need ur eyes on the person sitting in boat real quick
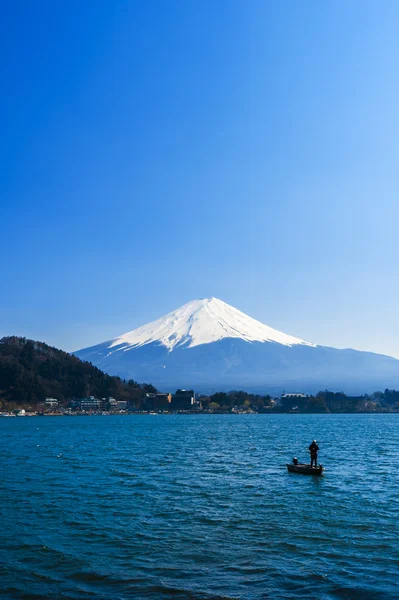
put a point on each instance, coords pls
(313, 449)
(295, 460)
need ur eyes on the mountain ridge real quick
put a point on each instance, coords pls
(208, 344)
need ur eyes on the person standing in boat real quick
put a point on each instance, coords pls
(313, 449)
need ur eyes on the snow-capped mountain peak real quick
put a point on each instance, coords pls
(199, 322)
(208, 345)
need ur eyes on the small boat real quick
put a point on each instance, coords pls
(305, 469)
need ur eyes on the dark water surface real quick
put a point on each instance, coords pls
(198, 507)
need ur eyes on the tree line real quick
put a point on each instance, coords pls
(322, 402)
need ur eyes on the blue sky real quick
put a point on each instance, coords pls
(155, 152)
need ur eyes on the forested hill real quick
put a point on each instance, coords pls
(31, 371)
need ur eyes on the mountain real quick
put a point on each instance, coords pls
(210, 345)
(202, 322)
(30, 371)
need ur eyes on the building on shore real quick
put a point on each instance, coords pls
(158, 401)
(116, 405)
(291, 401)
(183, 400)
(91, 404)
(51, 402)
(342, 403)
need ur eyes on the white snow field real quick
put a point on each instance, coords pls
(202, 322)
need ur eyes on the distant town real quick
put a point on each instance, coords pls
(235, 402)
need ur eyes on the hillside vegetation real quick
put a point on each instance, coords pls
(31, 371)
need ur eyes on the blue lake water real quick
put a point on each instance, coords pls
(198, 507)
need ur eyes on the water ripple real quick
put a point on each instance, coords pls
(199, 507)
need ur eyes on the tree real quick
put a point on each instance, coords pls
(150, 389)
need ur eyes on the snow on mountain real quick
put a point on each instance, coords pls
(208, 345)
(202, 322)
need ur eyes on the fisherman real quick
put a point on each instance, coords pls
(313, 449)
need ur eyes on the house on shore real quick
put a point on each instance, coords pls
(292, 401)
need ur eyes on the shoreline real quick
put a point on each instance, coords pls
(191, 414)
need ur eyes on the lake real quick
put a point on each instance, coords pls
(198, 507)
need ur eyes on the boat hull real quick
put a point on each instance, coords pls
(305, 469)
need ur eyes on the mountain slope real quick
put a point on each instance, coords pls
(202, 322)
(30, 371)
(208, 344)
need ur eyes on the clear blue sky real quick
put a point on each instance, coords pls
(155, 152)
